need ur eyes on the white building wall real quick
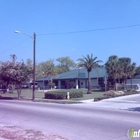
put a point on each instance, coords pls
(94, 82)
(40, 84)
(134, 81)
(82, 84)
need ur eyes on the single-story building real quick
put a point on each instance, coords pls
(135, 80)
(78, 76)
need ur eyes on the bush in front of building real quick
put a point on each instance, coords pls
(51, 84)
(55, 95)
(76, 94)
(62, 94)
(72, 84)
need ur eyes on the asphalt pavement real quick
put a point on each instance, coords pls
(104, 120)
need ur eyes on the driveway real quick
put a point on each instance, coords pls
(130, 103)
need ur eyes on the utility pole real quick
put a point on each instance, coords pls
(34, 58)
(34, 64)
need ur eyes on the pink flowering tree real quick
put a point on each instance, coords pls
(16, 73)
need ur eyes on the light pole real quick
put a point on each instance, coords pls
(34, 59)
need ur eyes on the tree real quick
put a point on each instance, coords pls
(137, 71)
(113, 68)
(89, 63)
(51, 72)
(128, 68)
(120, 68)
(51, 85)
(65, 64)
(13, 57)
(15, 72)
(72, 84)
(43, 66)
(29, 62)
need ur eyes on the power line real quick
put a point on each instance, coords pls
(73, 32)
(13, 46)
(92, 30)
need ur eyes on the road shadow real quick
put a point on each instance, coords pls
(7, 98)
(134, 109)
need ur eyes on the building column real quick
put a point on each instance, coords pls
(59, 84)
(77, 87)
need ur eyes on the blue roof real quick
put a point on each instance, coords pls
(79, 74)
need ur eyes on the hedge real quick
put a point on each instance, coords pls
(51, 95)
(62, 94)
(76, 94)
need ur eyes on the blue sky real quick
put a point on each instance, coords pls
(58, 16)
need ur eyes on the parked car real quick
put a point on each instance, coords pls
(36, 85)
(24, 86)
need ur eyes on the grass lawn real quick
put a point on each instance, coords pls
(27, 93)
(90, 96)
(39, 95)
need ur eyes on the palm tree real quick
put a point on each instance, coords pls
(113, 68)
(137, 71)
(127, 68)
(120, 68)
(13, 57)
(89, 63)
(132, 71)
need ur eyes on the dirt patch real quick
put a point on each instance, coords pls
(18, 133)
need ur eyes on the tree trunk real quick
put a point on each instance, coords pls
(19, 90)
(115, 84)
(12, 88)
(119, 81)
(89, 83)
(51, 79)
(131, 83)
(51, 82)
(124, 84)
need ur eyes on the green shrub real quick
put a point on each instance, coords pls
(62, 94)
(76, 94)
(72, 84)
(53, 95)
(51, 85)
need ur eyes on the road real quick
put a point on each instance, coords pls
(48, 121)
